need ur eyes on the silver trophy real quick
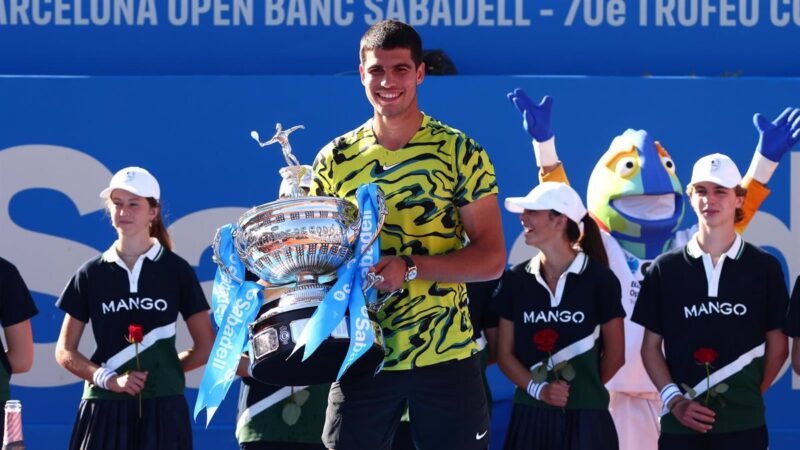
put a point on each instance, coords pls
(296, 243)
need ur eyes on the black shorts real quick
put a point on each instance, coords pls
(533, 427)
(446, 401)
(755, 439)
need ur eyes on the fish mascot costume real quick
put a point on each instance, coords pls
(637, 200)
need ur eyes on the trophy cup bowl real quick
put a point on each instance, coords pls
(298, 243)
(285, 239)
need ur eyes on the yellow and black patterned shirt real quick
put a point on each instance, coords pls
(424, 183)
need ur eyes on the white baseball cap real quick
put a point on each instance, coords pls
(135, 180)
(550, 195)
(718, 169)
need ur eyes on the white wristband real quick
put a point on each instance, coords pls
(761, 168)
(545, 152)
(101, 377)
(535, 389)
(667, 393)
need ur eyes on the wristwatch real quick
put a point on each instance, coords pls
(411, 268)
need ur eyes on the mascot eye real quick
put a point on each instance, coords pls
(668, 164)
(625, 167)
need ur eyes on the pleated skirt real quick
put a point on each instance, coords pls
(115, 425)
(533, 428)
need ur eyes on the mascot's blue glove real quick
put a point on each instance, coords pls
(535, 118)
(777, 137)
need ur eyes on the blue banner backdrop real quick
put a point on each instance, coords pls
(62, 138)
(268, 37)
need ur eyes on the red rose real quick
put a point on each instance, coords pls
(545, 340)
(705, 355)
(135, 334)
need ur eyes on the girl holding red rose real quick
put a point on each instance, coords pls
(132, 295)
(561, 332)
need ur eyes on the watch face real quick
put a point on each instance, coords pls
(411, 268)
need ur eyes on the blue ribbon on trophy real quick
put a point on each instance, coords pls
(347, 293)
(235, 303)
(293, 243)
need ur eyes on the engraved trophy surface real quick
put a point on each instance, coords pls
(297, 243)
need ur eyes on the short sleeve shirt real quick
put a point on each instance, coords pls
(104, 293)
(728, 312)
(588, 296)
(424, 183)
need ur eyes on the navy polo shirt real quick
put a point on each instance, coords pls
(105, 293)
(727, 308)
(587, 296)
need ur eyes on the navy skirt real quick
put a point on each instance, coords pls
(115, 425)
(533, 428)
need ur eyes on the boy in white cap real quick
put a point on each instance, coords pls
(717, 306)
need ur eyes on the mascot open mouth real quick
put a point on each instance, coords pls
(647, 207)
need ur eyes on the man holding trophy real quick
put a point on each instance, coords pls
(442, 229)
(398, 205)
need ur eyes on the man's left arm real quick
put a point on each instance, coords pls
(482, 259)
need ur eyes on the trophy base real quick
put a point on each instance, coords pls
(273, 337)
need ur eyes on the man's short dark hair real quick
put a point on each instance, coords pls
(391, 34)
